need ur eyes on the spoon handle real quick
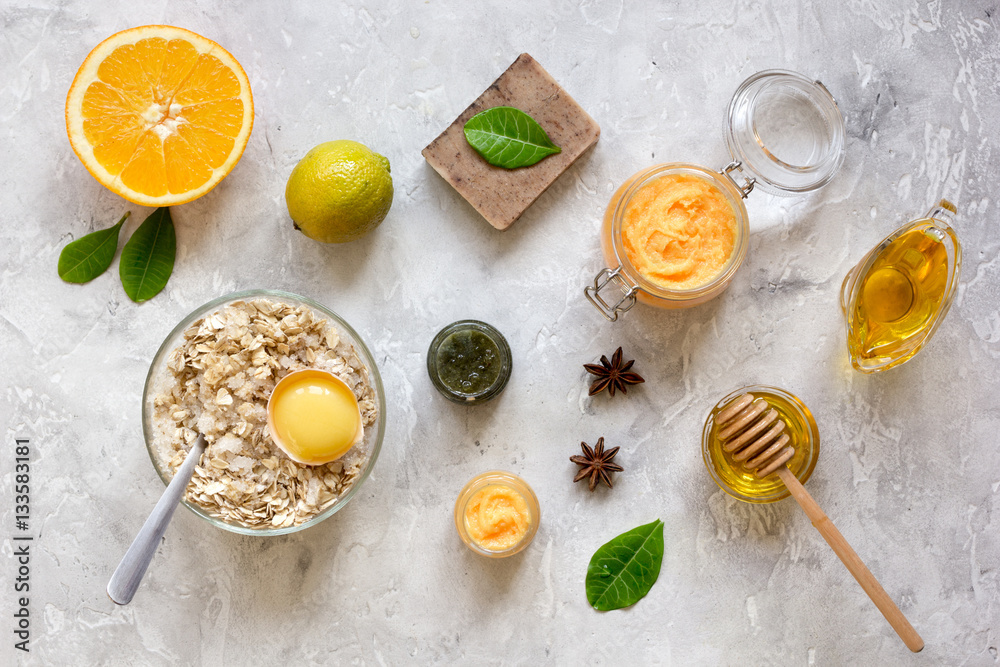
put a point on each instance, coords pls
(852, 561)
(125, 581)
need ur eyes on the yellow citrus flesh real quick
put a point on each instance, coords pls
(159, 115)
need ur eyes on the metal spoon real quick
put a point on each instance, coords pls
(128, 574)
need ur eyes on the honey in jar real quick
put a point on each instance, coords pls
(741, 482)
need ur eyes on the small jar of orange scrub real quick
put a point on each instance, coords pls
(674, 234)
(496, 514)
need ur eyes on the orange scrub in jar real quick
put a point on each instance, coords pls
(497, 517)
(678, 231)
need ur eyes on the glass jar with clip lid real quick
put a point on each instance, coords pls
(674, 234)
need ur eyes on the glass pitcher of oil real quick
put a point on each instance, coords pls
(896, 297)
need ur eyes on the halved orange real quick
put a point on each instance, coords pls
(159, 115)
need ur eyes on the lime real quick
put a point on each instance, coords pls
(339, 191)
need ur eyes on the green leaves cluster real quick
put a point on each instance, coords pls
(509, 138)
(146, 262)
(622, 571)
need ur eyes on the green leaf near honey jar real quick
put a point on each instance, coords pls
(509, 138)
(622, 571)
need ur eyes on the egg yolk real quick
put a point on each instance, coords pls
(315, 417)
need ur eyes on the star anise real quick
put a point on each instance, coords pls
(596, 463)
(613, 374)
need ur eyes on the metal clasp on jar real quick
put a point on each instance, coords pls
(746, 187)
(626, 290)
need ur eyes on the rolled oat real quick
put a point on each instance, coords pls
(217, 382)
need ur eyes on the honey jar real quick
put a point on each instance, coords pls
(675, 234)
(739, 481)
(895, 298)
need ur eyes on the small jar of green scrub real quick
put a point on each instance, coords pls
(469, 362)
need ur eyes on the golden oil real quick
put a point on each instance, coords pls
(895, 298)
(741, 483)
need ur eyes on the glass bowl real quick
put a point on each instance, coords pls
(374, 434)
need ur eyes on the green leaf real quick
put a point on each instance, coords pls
(623, 570)
(89, 256)
(148, 258)
(509, 138)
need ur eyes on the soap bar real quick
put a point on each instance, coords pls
(502, 195)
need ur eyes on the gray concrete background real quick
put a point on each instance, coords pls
(909, 466)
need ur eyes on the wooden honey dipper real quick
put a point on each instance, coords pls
(752, 432)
